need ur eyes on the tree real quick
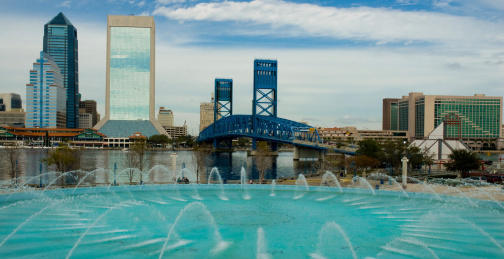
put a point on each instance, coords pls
(462, 161)
(363, 163)
(136, 158)
(64, 158)
(370, 148)
(159, 140)
(262, 159)
(11, 158)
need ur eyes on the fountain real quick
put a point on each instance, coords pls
(329, 179)
(273, 185)
(220, 244)
(244, 183)
(363, 180)
(262, 249)
(301, 187)
(215, 173)
(328, 239)
(132, 221)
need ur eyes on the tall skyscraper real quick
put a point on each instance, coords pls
(206, 114)
(130, 104)
(60, 42)
(390, 114)
(89, 106)
(45, 95)
(165, 117)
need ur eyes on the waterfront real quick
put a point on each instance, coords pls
(30, 165)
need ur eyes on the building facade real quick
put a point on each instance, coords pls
(85, 119)
(176, 131)
(45, 95)
(60, 42)
(354, 135)
(90, 107)
(389, 118)
(10, 102)
(469, 118)
(11, 110)
(206, 114)
(130, 78)
(165, 117)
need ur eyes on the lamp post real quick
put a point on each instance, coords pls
(404, 161)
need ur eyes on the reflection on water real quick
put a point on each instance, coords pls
(100, 166)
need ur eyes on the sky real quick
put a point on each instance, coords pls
(337, 59)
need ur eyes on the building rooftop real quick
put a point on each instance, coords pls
(127, 128)
(61, 19)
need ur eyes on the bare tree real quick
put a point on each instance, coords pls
(11, 157)
(137, 158)
(263, 159)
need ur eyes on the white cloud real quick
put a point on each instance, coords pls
(360, 23)
(168, 2)
(66, 3)
(330, 86)
(141, 3)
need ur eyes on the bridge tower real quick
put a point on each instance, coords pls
(223, 103)
(265, 92)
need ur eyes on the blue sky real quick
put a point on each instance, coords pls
(337, 59)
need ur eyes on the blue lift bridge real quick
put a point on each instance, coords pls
(263, 124)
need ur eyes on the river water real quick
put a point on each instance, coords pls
(30, 165)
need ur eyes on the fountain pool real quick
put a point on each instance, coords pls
(325, 222)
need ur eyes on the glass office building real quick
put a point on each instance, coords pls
(45, 95)
(130, 78)
(60, 42)
(477, 117)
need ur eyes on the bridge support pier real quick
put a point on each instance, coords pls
(302, 153)
(224, 145)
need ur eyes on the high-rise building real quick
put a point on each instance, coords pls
(165, 117)
(89, 106)
(85, 119)
(45, 95)
(11, 110)
(390, 113)
(60, 42)
(130, 81)
(206, 114)
(470, 118)
(10, 102)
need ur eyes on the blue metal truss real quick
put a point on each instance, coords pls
(265, 88)
(223, 102)
(266, 128)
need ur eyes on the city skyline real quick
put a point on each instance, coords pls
(457, 51)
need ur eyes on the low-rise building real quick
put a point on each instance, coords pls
(51, 136)
(176, 131)
(352, 134)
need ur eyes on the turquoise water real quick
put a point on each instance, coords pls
(135, 221)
